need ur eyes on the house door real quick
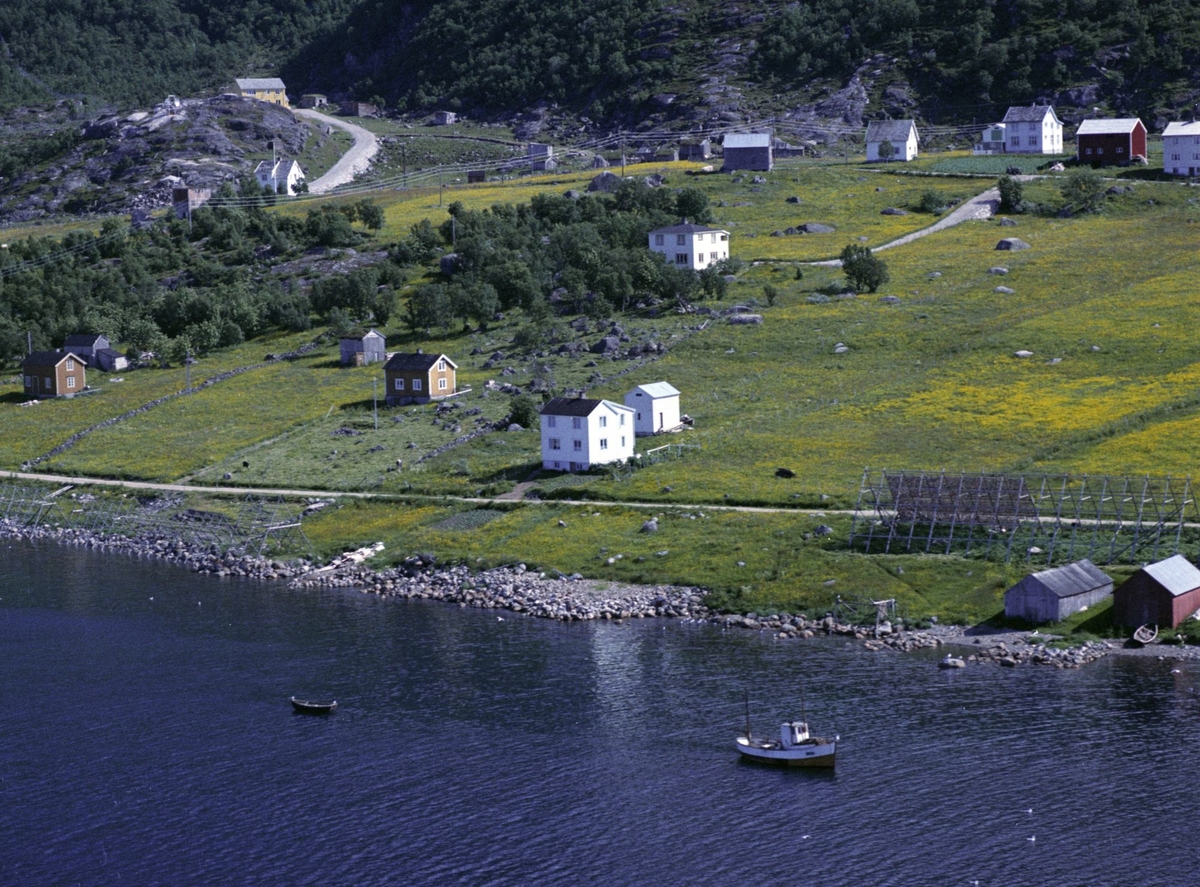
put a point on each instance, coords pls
(660, 421)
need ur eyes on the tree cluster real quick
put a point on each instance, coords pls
(589, 254)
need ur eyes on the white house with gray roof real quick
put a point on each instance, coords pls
(1181, 148)
(1053, 595)
(691, 246)
(279, 176)
(1035, 129)
(900, 134)
(578, 432)
(656, 408)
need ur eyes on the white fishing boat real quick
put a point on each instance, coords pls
(795, 746)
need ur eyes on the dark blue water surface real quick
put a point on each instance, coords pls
(147, 739)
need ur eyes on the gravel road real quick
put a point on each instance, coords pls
(356, 160)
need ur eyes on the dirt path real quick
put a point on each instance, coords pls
(356, 160)
(982, 206)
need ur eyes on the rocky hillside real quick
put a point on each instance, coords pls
(117, 163)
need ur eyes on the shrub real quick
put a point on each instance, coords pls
(863, 269)
(1012, 193)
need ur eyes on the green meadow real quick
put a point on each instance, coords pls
(929, 379)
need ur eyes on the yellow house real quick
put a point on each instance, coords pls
(265, 89)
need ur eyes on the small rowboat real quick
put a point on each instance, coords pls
(1146, 634)
(949, 661)
(308, 707)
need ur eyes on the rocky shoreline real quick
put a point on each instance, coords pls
(570, 599)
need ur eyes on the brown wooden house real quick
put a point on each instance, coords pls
(420, 378)
(1163, 594)
(53, 374)
(1107, 142)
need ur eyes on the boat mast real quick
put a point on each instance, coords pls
(747, 715)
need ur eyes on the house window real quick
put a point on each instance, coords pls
(604, 421)
(604, 443)
(442, 366)
(680, 240)
(622, 420)
(577, 445)
(1099, 150)
(622, 440)
(724, 237)
(29, 381)
(70, 381)
(416, 384)
(441, 384)
(576, 422)
(550, 422)
(558, 465)
(713, 256)
(714, 237)
(399, 384)
(1088, 151)
(659, 239)
(555, 444)
(47, 383)
(1120, 150)
(639, 417)
(681, 258)
(70, 365)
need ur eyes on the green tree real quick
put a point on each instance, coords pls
(692, 204)
(429, 306)
(524, 411)
(1083, 191)
(1012, 193)
(886, 151)
(863, 269)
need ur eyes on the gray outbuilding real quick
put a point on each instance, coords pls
(747, 150)
(360, 349)
(1053, 595)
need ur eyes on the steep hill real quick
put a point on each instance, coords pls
(621, 61)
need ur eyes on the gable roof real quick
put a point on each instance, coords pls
(1071, 579)
(688, 228)
(747, 140)
(570, 406)
(890, 130)
(420, 363)
(1177, 575)
(1030, 114)
(253, 83)
(359, 335)
(49, 358)
(84, 339)
(1182, 128)
(658, 389)
(1113, 126)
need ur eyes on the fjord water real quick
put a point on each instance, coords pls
(147, 739)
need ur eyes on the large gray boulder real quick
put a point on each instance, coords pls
(1012, 243)
(606, 183)
(816, 228)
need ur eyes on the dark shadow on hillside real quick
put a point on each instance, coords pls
(13, 397)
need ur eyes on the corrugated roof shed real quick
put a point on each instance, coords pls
(1072, 579)
(1177, 575)
(889, 130)
(1115, 126)
(658, 389)
(747, 140)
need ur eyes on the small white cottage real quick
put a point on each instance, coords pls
(655, 406)
(578, 433)
(901, 135)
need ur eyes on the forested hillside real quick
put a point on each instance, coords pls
(614, 59)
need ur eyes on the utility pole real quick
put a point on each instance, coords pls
(404, 164)
(375, 399)
(187, 369)
(439, 187)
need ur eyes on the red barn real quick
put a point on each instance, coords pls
(1101, 142)
(1162, 594)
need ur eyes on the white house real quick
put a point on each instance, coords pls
(578, 433)
(991, 140)
(281, 176)
(655, 406)
(1181, 149)
(691, 246)
(900, 134)
(1033, 130)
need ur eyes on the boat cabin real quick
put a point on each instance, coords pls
(793, 733)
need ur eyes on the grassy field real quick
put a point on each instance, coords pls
(1105, 304)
